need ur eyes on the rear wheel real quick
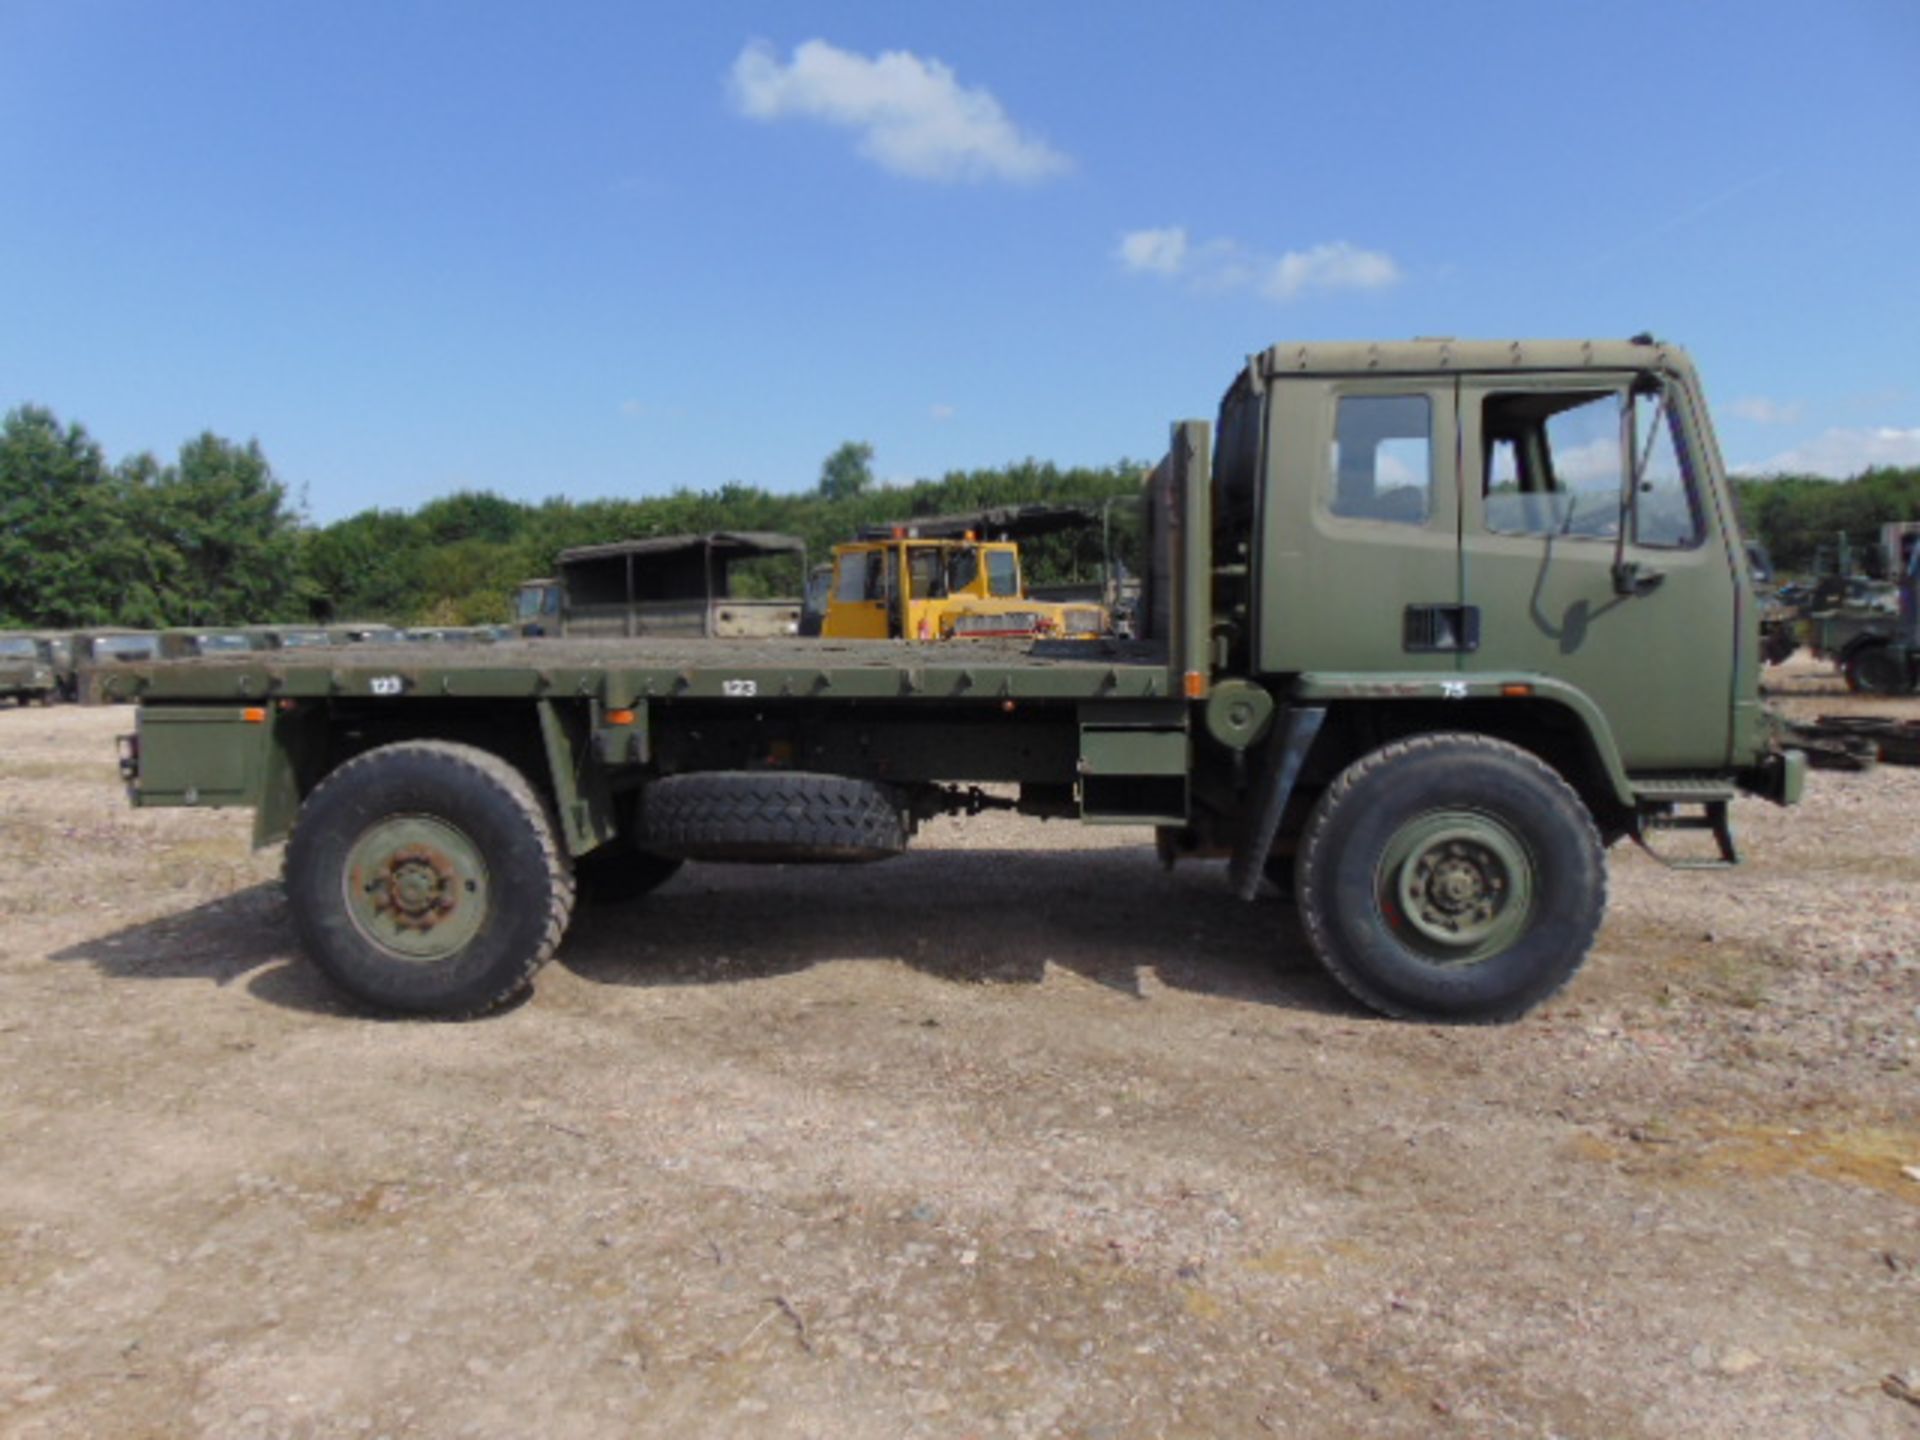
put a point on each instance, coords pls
(1451, 877)
(1877, 670)
(424, 877)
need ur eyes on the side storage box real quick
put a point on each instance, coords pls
(198, 754)
(1134, 763)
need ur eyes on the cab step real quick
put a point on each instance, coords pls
(1660, 809)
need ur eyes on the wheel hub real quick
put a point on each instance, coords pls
(417, 887)
(1456, 885)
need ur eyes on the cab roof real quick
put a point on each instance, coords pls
(1441, 353)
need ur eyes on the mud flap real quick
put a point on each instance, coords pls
(1280, 762)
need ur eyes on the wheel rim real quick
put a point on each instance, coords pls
(1456, 886)
(416, 887)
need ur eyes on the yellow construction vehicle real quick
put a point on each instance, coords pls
(905, 586)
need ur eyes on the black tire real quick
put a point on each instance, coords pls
(769, 816)
(1877, 669)
(1496, 853)
(455, 837)
(619, 873)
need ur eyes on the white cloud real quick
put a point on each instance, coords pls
(940, 411)
(1841, 454)
(1161, 251)
(1762, 411)
(1219, 266)
(913, 115)
(1589, 465)
(1338, 266)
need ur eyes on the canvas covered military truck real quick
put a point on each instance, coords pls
(679, 585)
(1425, 628)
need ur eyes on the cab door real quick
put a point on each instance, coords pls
(861, 603)
(1360, 535)
(1547, 456)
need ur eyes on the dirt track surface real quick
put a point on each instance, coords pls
(1016, 1136)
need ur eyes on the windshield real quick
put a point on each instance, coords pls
(1003, 574)
(18, 645)
(926, 576)
(537, 600)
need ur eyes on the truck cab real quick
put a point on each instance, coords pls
(27, 669)
(1549, 513)
(536, 607)
(906, 587)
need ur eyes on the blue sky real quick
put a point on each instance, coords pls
(611, 249)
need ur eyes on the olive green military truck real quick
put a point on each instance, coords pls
(27, 670)
(1427, 627)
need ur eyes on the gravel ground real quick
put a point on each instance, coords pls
(1014, 1136)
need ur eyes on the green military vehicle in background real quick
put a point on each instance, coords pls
(1425, 628)
(29, 672)
(100, 654)
(1875, 646)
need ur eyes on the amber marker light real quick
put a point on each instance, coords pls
(254, 714)
(1516, 692)
(619, 717)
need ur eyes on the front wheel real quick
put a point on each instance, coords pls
(424, 877)
(1452, 878)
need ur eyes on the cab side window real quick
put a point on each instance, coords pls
(1382, 458)
(1555, 463)
(1552, 464)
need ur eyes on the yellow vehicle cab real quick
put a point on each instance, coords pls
(904, 588)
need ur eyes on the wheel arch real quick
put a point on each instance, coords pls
(547, 741)
(1550, 719)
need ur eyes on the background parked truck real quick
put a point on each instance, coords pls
(688, 585)
(1424, 628)
(1876, 648)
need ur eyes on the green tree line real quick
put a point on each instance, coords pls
(1798, 517)
(212, 537)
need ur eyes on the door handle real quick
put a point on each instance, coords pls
(1630, 578)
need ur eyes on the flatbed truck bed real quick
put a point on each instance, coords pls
(619, 671)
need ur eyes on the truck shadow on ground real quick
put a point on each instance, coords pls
(968, 917)
(244, 936)
(975, 917)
